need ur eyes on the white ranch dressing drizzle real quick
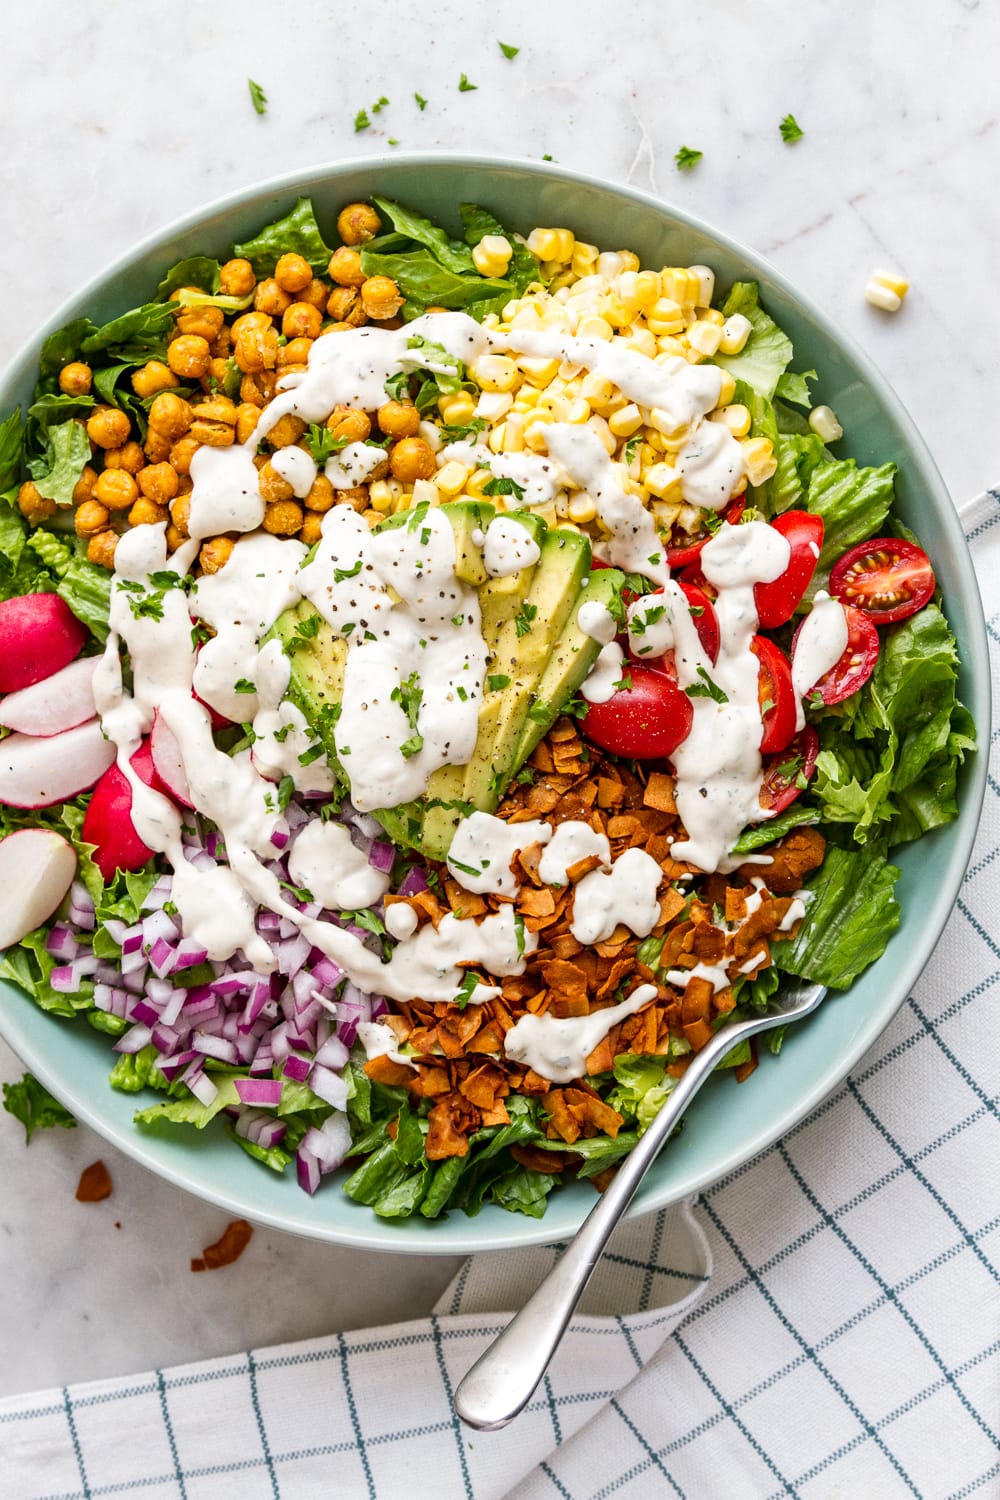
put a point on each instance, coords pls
(716, 974)
(571, 842)
(336, 874)
(821, 642)
(557, 1047)
(597, 621)
(353, 465)
(624, 894)
(400, 920)
(225, 493)
(650, 625)
(508, 547)
(710, 466)
(379, 1040)
(533, 473)
(633, 543)
(296, 467)
(483, 848)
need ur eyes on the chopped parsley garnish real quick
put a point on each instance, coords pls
(497, 682)
(379, 105)
(791, 130)
(257, 97)
(418, 516)
(639, 623)
(576, 708)
(519, 933)
(200, 635)
(455, 434)
(696, 611)
(322, 443)
(465, 87)
(409, 695)
(367, 920)
(339, 574)
(706, 688)
(507, 50)
(149, 607)
(500, 485)
(168, 580)
(686, 158)
(397, 387)
(465, 869)
(624, 683)
(421, 101)
(632, 447)
(465, 991)
(498, 783)
(523, 619)
(541, 711)
(526, 776)
(282, 734)
(460, 690)
(244, 685)
(308, 756)
(393, 141)
(361, 121)
(348, 628)
(286, 790)
(457, 620)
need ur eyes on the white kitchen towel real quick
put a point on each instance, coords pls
(825, 1321)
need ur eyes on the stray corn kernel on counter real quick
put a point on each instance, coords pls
(443, 682)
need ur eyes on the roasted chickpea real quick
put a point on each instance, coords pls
(269, 298)
(349, 423)
(356, 498)
(216, 408)
(147, 513)
(90, 518)
(345, 267)
(286, 431)
(315, 294)
(358, 222)
(180, 513)
(373, 517)
(222, 345)
(129, 456)
(175, 538)
(157, 445)
(204, 322)
(293, 272)
(301, 320)
(249, 392)
(312, 528)
(75, 379)
(158, 482)
(283, 518)
(381, 297)
(189, 355)
(295, 352)
(249, 320)
(182, 453)
(236, 278)
(154, 376)
(398, 419)
(108, 427)
(344, 306)
(84, 487)
(212, 434)
(218, 372)
(321, 496)
(101, 549)
(256, 349)
(215, 553)
(33, 506)
(170, 414)
(247, 417)
(116, 489)
(272, 485)
(411, 459)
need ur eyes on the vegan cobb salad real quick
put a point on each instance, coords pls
(444, 682)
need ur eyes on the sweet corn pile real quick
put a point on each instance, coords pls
(226, 355)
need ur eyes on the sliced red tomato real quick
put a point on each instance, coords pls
(857, 663)
(777, 601)
(680, 557)
(887, 577)
(786, 772)
(706, 623)
(775, 695)
(646, 721)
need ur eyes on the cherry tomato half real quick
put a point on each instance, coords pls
(680, 557)
(777, 601)
(775, 695)
(887, 577)
(644, 722)
(706, 622)
(857, 663)
(784, 772)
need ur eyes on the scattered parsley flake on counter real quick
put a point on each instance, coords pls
(686, 158)
(465, 87)
(32, 1104)
(547, 156)
(421, 101)
(379, 105)
(257, 97)
(392, 141)
(791, 130)
(361, 121)
(507, 50)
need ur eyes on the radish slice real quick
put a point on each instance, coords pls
(39, 635)
(167, 760)
(37, 868)
(108, 826)
(38, 772)
(55, 704)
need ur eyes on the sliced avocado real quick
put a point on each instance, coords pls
(572, 657)
(316, 683)
(501, 598)
(524, 646)
(467, 517)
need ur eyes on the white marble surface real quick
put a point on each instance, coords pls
(124, 116)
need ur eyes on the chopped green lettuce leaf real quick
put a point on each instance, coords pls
(134, 337)
(424, 281)
(296, 233)
(767, 352)
(797, 456)
(794, 386)
(849, 920)
(67, 451)
(523, 268)
(453, 255)
(853, 503)
(32, 1104)
(196, 270)
(758, 835)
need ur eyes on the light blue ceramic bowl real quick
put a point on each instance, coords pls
(728, 1124)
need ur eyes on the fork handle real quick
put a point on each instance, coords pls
(503, 1379)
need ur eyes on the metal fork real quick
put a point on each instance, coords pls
(502, 1381)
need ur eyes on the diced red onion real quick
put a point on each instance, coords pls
(165, 1038)
(307, 1170)
(171, 1066)
(114, 1002)
(382, 856)
(297, 1068)
(61, 944)
(329, 1142)
(141, 1010)
(413, 883)
(263, 1092)
(330, 1086)
(134, 1039)
(214, 1046)
(187, 955)
(333, 1053)
(201, 1086)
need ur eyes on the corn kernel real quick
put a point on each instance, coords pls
(667, 423)
(536, 438)
(705, 337)
(886, 290)
(727, 389)
(581, 508)
(457, 410)
(584, 258)
(578, 411)
(736, 418)
(491, 256)
(607, 437)
(431, 435)
(735, 332)
(625, 421)
(665, 513)
(539, 372)
(477, 482)
(513, 434)
(450, 478)
(669, 348)
(614, 310)
(552, 244)
(595, 389)
(705, 278)
(555, 408)
(680, 285)
(527, 399)
(381, 495)
(823, 421)
(594, 327)
(758, 456)
(495, 372)
(629, 260)
(665, 316)
(492, 405)
(643, 340)
(663, 481)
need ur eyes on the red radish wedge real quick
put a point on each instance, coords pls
(142, 765)
(56, 703)
(108, 826)
(37, 868)
(38, 772)
(167, 760)
(39, 635)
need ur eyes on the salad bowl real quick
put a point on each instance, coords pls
(729, 1124)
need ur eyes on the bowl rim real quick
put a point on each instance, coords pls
(458, 1235)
